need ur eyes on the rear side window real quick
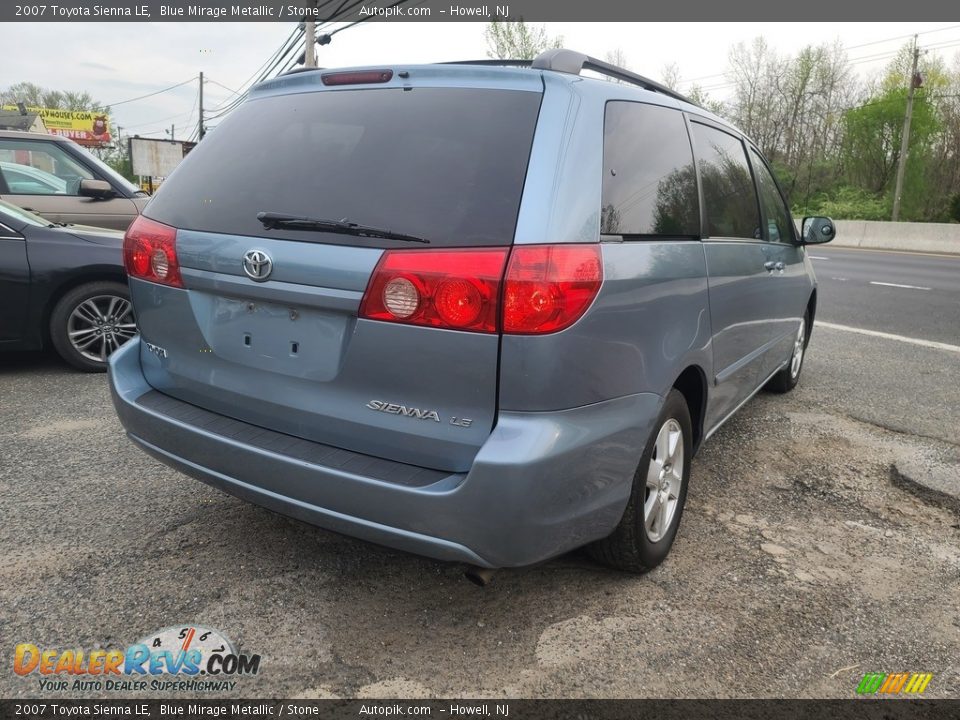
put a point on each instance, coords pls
(729, 198)
(446, 164)
(774, 210)
(649, 182)
(40, 168)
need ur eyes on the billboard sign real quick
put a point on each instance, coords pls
(154, 158)
(81, 126)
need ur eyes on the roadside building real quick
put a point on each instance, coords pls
(24, 121)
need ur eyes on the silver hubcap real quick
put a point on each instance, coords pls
(664, 481)
(797, 358)
(99, 325)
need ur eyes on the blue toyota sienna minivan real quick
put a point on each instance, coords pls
(481, 312)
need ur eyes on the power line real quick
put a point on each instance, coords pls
(160, 120)
(293, 33)
(143, 97)
(288, 56)
(228, 89)
(901, 37)
(258, 75)
(357, 22)
(852, 47)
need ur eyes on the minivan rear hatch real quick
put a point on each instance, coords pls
(441, 155)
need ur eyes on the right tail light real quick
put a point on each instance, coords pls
(545, 288)
(548, 287)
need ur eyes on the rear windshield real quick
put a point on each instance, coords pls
(445, 164)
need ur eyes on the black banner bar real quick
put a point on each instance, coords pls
(491, 709)
(468, 11)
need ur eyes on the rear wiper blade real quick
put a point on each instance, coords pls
(273, 220)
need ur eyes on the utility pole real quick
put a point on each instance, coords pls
(905, 139)
(201, 130)
(309, 37)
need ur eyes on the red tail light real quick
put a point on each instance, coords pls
(453, 289)
(548, 287)
(150, 252)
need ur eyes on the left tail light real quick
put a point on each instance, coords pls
(150, 252)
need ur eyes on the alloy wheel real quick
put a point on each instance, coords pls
(664, 481)
(99, 325)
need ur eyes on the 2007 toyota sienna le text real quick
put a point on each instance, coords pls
(484, 313)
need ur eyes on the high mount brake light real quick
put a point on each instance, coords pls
(150, 252)
(361, 77)
(546, 288)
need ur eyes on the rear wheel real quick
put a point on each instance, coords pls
(91, 321)
(649, 525)
(787, 379)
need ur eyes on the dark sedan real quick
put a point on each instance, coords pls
(62, 285)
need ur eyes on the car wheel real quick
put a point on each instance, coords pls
(91, 321)
(649, 525)
(787, 379)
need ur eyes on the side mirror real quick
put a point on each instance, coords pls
(97, 189)
(818, 230)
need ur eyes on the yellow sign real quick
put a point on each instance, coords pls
(83, 126)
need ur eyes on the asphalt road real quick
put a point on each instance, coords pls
(905, 294)
(904, 381)
(811, 552)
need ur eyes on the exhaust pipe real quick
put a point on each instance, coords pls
(480, 576)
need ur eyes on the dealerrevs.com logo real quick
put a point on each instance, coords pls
(877, 683)
(185, 657)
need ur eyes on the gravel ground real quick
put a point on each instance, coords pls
(808, 555)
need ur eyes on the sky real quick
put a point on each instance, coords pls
(116, 62)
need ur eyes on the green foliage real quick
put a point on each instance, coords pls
(873, 134)
(517, 40)
(955, 208)
(117, 158)
(834, 141)
(848, 203)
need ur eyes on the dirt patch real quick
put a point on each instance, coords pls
(799, 566)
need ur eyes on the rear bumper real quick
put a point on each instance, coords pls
(542, 484)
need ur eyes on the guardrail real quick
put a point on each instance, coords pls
(916, 237)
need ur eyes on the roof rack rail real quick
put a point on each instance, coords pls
(573, 62)
(570, 61)
(507, 62)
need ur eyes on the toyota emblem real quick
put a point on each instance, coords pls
(257, 265)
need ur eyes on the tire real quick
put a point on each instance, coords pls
(636, 546)
(91, 321)
(787, 379)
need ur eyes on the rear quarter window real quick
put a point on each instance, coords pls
(446, 164)
(729, 196)
(649, 180)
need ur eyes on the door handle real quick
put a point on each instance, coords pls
(771, 266)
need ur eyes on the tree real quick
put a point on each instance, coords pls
(698, 96)
(670, 76)
(116, 157)
(33, 95)
(617, 57)
(518, 41)
(873, 134)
